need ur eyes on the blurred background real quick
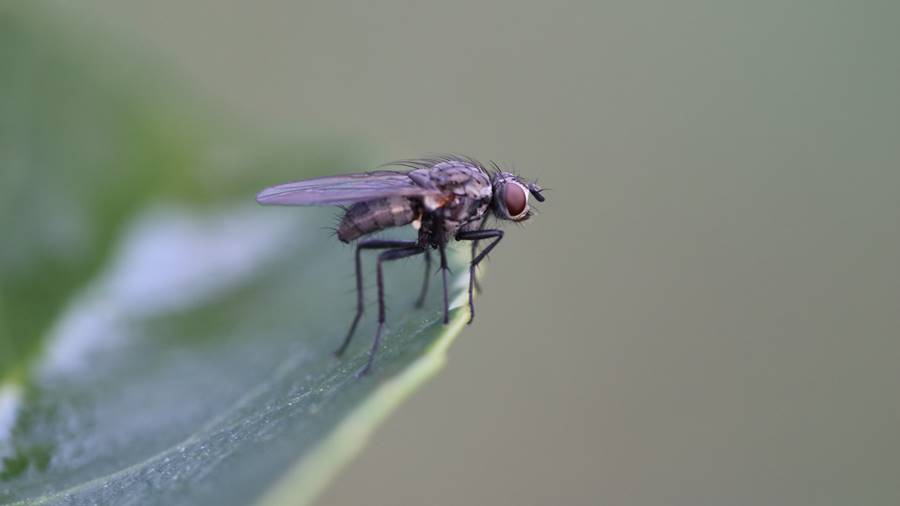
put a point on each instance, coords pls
(705, 311)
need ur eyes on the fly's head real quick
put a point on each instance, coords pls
(510, 199)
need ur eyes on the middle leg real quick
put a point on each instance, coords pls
(421, 300)
(444, 269)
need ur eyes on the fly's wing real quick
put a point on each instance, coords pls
(346, 189)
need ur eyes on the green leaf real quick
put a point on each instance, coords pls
(163, 340)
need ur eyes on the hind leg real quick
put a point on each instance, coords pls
(393, 254)
(371, 244)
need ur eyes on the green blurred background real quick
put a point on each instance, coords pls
(706, 309)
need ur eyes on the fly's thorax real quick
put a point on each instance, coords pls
(452, 179)
(463, 210)
(366, 217)
(463, 196)
(441, 225)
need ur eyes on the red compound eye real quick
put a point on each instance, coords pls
(515, 199)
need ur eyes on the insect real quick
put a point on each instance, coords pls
(445, 198)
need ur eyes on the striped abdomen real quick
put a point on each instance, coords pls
(366, 217)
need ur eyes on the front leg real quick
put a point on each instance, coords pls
(477, 235)
(475, 251)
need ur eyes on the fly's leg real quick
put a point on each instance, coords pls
(393, 254)
(421, 300)
(477, 235)
(371, 244)
(443, 249)
(474, 279)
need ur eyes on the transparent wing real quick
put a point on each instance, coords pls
(346, 189)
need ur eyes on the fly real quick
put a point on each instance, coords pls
(445, 198)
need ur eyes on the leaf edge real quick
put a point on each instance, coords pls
(308, 477)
